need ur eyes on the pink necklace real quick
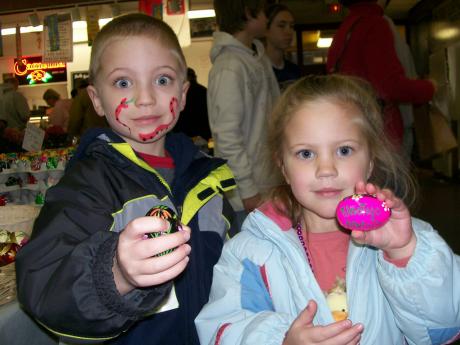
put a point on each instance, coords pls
(304, 244)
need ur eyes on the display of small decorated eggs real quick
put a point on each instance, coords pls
(362, 212)
(168, 214)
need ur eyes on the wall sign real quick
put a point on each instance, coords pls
(32, 70)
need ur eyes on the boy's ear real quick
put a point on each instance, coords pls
(92, 92)
(183, 98)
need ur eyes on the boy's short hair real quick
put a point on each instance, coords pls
(134, 24)
(231, 14)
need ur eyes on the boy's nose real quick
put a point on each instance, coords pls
(145, 96)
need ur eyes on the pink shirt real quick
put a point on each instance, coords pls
(328, 250)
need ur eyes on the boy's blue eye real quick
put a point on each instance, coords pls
(122, 83)
(163, 80)
(305, 154)
(344, 151)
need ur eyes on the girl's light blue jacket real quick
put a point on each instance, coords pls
(263, 281)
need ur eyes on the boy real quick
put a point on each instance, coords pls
(90, 270)
(241, 91)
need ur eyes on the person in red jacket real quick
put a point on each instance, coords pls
(363, 46)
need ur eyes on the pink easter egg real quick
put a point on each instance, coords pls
(362, 212)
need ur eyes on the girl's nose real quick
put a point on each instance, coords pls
(326, 167)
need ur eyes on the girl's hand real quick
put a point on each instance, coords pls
(303, 332)
(396, 237)
(135, 263)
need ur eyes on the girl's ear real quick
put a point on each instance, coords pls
(283, 171)
(93, 94)
(371, 168)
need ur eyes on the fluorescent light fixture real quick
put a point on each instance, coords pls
(79, 29)
(324, 42)
(201, 14)
(447, 33)
(24, 30)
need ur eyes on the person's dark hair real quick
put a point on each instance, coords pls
(191, 75)
(51, 94)
(231, 15)
(348, 3)
(82, 83)
(272, 11)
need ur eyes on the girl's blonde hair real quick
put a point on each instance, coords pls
(390, 169)
(134, 25)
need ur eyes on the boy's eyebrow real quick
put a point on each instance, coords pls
(123, 69)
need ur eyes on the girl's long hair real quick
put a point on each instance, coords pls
(390, 169)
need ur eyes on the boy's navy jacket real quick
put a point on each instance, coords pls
(64, 274)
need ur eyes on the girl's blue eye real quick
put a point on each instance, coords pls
(345, 151)
(122, 83)
(164, 80)
(305, 154)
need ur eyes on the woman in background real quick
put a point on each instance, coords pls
(280, 32)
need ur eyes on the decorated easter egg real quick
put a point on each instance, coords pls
(362, 212)
(169, 215)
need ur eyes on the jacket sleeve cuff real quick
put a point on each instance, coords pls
(134, 304)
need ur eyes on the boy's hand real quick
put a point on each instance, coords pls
(303, 332)
(396, 237)
(136, 265)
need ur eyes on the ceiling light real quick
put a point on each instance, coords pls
(201, 14)
(324, 42)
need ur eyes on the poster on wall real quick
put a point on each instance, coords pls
(202, 27)
(175, 7)
(153, 8)
(58, 38)
(92, 24)
(30, 70)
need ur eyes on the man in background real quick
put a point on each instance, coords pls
(14, 110)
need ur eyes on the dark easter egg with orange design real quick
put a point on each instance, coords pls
(170, 216)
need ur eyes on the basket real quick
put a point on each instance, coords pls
(18, 217)
(7, 283)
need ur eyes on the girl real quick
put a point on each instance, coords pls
(278, 38)
(274, 281)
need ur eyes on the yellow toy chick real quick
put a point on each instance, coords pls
(337, 300)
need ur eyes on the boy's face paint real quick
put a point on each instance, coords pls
(123, 105)
(165, 127)
(142, 97)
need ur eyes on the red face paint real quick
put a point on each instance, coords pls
(172, 108)
(123, 105)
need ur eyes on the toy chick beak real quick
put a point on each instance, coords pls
(339, 315)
